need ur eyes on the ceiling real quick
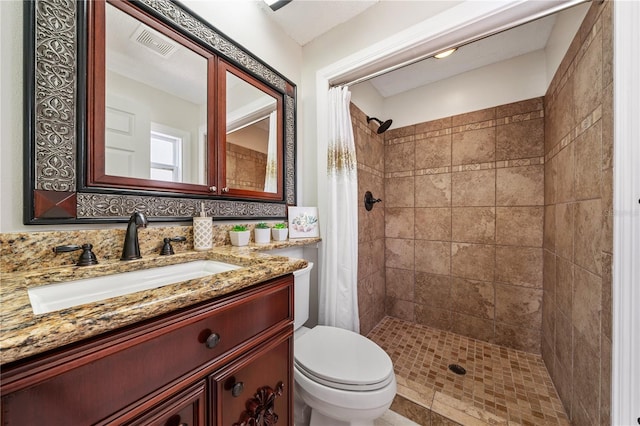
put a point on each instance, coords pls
(304, 20)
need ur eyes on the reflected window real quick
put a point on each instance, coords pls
(166, 157)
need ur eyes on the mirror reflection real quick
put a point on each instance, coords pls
(251, 137)
(156, 104)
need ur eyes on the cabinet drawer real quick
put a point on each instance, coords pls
(263, 378)
(188, 408)
(121, 371)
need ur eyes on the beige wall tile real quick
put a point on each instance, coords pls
(522, 226)
(473, 224)
(399, 192)
(473, 146)
(471, 326)
(548, 317)
(433, 317)
(398, 308)
(587, 304)
(433, 290)
(520, 266)
(550, 178)
(522, 338)
(607, 308)
(586, 376)
(520, 139)
(520, 186)
(607, 210)
(473, 117)
(564, 339)
(433, 190)
(564, 285)
(472, 298)
(399, 253)
(607, 127)
(433, 152)
(518, 306)
(564, 230)
(399, 222)
(559, 117)
(433, 257)
(433, 224)
(565, 175)
(587, 88)
(520, 107)
(588, 152)
(399, 157)
(588, 235)
(474, 261)
(605, 381)
(549, 273)
(431, 126)
(473, 188)
(400, 283)
(549, 229)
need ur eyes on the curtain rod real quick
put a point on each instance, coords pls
(412, 61)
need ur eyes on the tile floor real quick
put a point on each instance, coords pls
(501, 386)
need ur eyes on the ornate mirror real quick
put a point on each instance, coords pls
(166, 122)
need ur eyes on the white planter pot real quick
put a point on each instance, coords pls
(262, 235)
(279, 234)
(239, 238)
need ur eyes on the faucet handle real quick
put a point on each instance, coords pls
(86, 258)
(167, 249)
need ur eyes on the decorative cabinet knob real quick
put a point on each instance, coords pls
(225, 189)
(260, 408)
(213, 188)
(237, 389)
(213, 340)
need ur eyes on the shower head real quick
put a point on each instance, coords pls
(383, 126)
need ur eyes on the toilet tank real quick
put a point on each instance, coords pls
(302, 285)
(301, 292)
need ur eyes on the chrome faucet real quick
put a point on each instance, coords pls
(131, 248)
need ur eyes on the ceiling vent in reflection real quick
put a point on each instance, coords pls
(154, 41)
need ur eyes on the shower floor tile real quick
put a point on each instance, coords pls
(501, 386)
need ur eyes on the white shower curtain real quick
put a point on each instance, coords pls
(271, 176)
(338, 291)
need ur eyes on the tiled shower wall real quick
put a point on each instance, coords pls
(371, 277)
(576, 326)
(464, 223)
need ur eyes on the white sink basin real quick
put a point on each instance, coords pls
(53, 297)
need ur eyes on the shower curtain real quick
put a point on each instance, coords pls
(338, 291)
(271, 175)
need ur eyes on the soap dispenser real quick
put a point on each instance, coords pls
(202, 231)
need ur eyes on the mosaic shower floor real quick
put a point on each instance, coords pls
(501, 386)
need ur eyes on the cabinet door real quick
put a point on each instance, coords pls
(187, 408)
(257, 389)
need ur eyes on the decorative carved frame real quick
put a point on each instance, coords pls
(55, 129)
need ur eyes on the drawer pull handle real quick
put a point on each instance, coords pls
(260, 407)
(213, 340)
(237, 389)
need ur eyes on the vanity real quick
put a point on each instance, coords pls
(216, 350)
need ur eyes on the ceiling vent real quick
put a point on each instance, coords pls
(154, 41)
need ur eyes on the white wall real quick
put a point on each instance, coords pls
(516, 79)
(11, 123)
(567, 24)
(264, 39)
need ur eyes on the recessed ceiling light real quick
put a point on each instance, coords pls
(276, 4)
(445, 53)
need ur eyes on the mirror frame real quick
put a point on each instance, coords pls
(55, 128)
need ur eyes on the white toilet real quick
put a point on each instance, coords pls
(343, 377)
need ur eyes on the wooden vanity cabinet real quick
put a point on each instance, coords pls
(210, 364)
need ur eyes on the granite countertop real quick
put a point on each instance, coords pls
(25, 334)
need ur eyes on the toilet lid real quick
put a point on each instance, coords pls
(342, 359)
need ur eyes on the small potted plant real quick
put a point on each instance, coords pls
(239, 235)
(280, 231)
(262, 233)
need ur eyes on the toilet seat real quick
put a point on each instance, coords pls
(342, 359)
